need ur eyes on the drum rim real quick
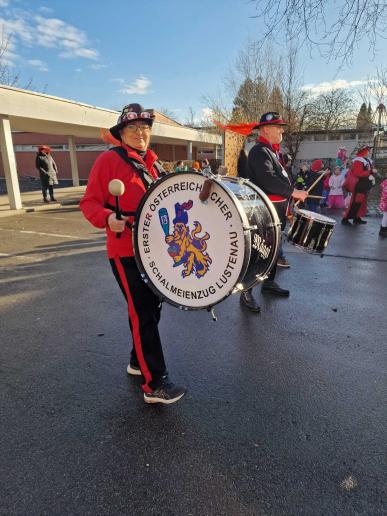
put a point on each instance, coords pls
(137, 257)
(273, 212)
(326, 220)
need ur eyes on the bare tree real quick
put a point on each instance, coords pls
(334, 29)
(7, 76)
(168, 113)
(295, 99)
(331, 110)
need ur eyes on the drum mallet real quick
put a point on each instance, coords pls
(117, 188)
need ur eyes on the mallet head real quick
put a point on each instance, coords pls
(116, 187)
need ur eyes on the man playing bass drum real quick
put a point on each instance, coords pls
(265, 171)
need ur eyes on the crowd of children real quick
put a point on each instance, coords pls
(346, 187)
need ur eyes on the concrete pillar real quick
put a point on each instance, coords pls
(189, 151)
(9, 164)
(73, 161)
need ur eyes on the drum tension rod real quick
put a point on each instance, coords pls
(213, 315)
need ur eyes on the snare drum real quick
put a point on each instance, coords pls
(310, 231)
(195, 254)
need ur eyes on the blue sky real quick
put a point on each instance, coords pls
(162, 53)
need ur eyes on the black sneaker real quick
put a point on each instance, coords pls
(282, 262)
(346, 222)
(271, 287)
(358, 220)
(133, 370)
(167, 393)
(249, 302)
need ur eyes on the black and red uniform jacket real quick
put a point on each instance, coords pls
(265, 171)
(109, 165)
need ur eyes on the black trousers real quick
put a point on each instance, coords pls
(50, 189)
(144, 309)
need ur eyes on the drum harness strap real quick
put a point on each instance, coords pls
(146, 179)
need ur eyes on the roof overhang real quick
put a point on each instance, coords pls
(39, 113)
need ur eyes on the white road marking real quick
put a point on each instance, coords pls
(49, 217)
(50, 234)
(43, 234)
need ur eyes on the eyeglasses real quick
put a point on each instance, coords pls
(132, 115)
(132, 128)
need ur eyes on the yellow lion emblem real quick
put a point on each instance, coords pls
(185, 247)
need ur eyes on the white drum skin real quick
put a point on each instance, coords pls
(192, 254)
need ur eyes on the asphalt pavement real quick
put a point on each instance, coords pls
(286, 409)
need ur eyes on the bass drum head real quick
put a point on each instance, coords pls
(264, 228)
(192, 254)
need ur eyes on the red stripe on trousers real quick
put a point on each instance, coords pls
(136, 327)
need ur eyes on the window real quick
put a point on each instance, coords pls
(349, 136)
(93, 147)
(333, 137)
(320, 137)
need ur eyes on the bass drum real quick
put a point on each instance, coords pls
(194, 254)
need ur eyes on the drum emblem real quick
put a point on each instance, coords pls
(186, 247)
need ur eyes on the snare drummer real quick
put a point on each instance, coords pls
(265, 170)
(135, 165)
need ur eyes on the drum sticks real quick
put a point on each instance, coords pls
(311, 188)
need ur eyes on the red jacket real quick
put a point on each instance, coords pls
(360, 168)
(109, 165)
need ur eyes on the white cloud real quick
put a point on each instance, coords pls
(4, 3)
(207, 113)
(98, 66)
(37, 63)
(45, 10)
(78, 70)
(49, 33)
(118, 79)
(55, 33)
(138, 87)
(323, 87)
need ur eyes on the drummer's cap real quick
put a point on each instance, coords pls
(44, 148)
(271, 118)
(317, 165)
(131, 113)
(362, 149)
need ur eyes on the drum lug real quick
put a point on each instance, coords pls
(213, 315)
(250, 228)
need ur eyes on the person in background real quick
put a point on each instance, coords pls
(288, 165)
(242, 164)
(316, 170)
(206, 167)
(359, 182)
(383, 207)
(180, 166)
(195, 167)
(326, 188)
(48, 171)
(336, 197)
(300, 180)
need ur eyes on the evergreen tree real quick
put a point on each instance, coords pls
(251, 101)
(362, 118)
